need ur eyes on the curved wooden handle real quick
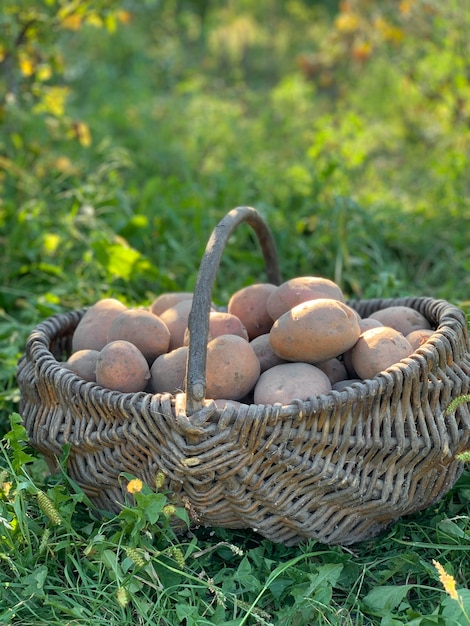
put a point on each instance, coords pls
(198, 323)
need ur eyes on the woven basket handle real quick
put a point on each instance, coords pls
(198, 323)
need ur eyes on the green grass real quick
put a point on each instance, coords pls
(63, 562)
(358, 163)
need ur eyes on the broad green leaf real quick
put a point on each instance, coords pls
(386, 597)
(110, 559)
(453, 529)
(34, 582)
(457, 610)
(186, 614)
(245, 575)
(182, 514)
(151, 504)
(328, 574)
(16, 439)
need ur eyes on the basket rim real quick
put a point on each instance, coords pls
(452, 323)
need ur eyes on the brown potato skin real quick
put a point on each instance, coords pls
(377, 349)
(122, 367)
(301, 289)
(142, 328)
(232, 368)
(249, 305)
(315, 331)
(368, 322)
(290, 381)
(221, 323)
(83, 364)
(405, 319)
(364, 324)
(176, 320)
(166, 300)
(91, 332)
(266, 356)
(168, 371)
(418, 337)
(334, 369)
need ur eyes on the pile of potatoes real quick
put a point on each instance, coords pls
(271, 344)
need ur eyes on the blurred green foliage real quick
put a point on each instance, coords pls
(128, 129)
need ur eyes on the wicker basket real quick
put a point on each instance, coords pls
(338, 468)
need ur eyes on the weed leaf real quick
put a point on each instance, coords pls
(458, 611)
(386, 597)
(16, 440)
(34, 582)
(152, 504)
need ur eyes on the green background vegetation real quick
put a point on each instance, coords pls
(128, 129)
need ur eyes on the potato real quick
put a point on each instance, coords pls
(91, 332)
(232, 368)
(334, 369)
(142, 328)
(315, 331)
(221, 323)
(379, 348)
(168, 371)
(249, 305)
(166, 300)
(83, 364)
(368, 322)
(418, 337)
(176, 320)
(266, 356)
(298, 290)
(122, 367)
(405, 319)
(364, 324)
(290, 381)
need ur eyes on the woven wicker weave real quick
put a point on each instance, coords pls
(338, 468)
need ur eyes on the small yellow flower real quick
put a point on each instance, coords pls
(135, 485)
(447, 581)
